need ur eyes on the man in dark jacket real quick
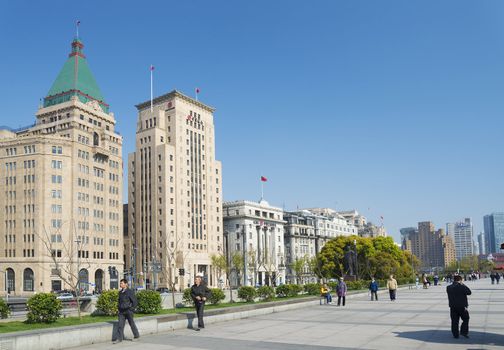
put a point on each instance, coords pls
(199, 294)
(457, 297)
(126, 304)
(373, 288)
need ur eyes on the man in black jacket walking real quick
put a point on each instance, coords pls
(199, 294)
(457, 297)
(127, 303)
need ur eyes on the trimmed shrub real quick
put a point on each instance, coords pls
(282, 291)
(295, 289)
(312, 288)
(149, 302)
(247, 293)
(266, 293)
(216, 296)
(107, 302)
(43, 308)
(187, 297)
(332, 285)
(4, 309)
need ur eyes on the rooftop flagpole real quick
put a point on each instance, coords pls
(151, 88)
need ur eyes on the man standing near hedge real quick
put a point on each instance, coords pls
(199, 294)
(127, 303)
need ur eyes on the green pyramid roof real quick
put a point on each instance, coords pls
(75, 79)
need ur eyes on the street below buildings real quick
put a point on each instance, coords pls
(419, 319)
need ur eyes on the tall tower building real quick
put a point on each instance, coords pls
(175, 193)
(494, 232)
(462, 234)
(62, 194)
(482, 243)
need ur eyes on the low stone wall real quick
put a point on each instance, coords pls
(86, 334)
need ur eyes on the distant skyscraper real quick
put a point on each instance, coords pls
(482, 243)
(462, 234)
(406, 232)
(434, 248)
(494, 231)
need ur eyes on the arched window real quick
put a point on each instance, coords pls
(99, 281)
(28, 280)
(11, 280)
(83, 280)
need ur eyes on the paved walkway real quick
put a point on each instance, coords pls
(419, 319)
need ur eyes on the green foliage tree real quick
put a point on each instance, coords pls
(4, 309)
(107, 302)
(43, 308)
(298, 266)
(149, 302)
(376, 257)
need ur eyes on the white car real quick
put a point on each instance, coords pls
(65, 296)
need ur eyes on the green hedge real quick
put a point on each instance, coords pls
(107, 302)
(4, 309)
(43, 308)
(247, 293)
(149, 302)
(186, 298)
(288, 290)
(312, 288)
(266, 293)
(216, 296)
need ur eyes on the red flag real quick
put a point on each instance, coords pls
(151, 67)
(197, 90)
(189, 117)
(381, 217)
(263, 179)
(78, 23)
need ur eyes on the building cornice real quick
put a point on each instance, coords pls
(170, 95)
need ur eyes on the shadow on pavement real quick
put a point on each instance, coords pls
(445, 337)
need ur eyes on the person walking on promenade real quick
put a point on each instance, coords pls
(392, 287)
(373, 288)
(436, 280)
(497, 277)
(424, 281)
(326, 292)
(199, 294)
(492, 277)
(126, 304)
(341, 290)
(457, 299)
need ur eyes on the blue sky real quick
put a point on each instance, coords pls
(390, 107)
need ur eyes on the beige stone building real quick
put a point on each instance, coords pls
(61, 190)
(174, 192)
(433, 247)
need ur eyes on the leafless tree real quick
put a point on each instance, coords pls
(70, 259)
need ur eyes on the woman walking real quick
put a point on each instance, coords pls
(341, 289)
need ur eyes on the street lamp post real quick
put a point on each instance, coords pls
(356, 261)
(78, 241)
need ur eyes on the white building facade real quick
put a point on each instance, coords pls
(462, 234)
(255, 231)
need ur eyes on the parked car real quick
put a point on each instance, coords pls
(163, 290)
(65, 296)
